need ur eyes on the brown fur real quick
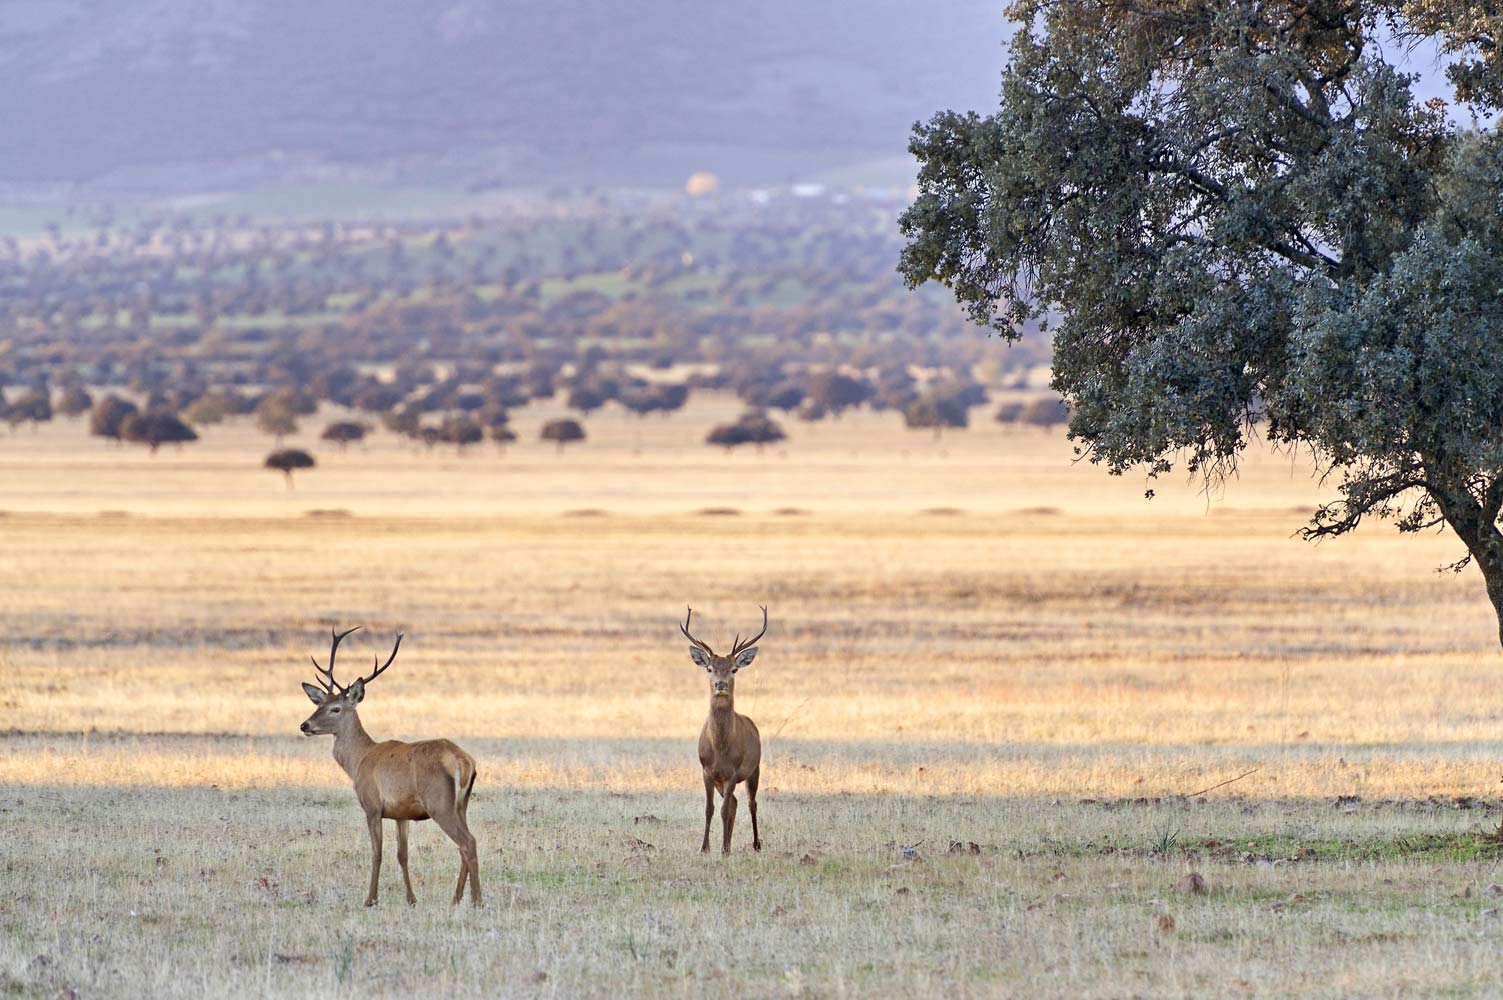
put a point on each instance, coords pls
(730, 747)
(730, 752)
(431, 779)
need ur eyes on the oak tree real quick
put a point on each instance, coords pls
(1240, 220)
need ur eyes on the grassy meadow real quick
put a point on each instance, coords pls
(996, 689)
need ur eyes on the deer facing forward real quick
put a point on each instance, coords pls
(730, 748)
(393, 780)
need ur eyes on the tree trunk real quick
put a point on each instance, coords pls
(1478, 529)
(1490, 562)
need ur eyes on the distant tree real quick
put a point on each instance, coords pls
(236, 403)
(33, 405)
(836, 391)
(643, 398)
(562, 432)
(812, 411)
(1046, 411)
(493, 415)
(502, 435)
(155, 428)
(539, 383)
(74, 400)
(752, 427)
(469, 402)
(402, 420)
(935, 411)
(895, 395)
(964, 392)
(109, 415)
(343, 432)
(288, 459)
(728, 436)
(587, 397)
(295, 401)
(276, 417)
(376, 397)
(785, 396)
(210, 408)
(1010, 412)
(462, 431)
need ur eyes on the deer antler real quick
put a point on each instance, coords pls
(740, 645)
(684, 628)
(376, 661)
(326, 680)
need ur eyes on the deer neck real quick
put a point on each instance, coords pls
(722, 720)
(351, 746)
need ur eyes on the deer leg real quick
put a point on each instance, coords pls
(474, 860)
(373, 822)
(727, 815)
(402, 860)
(751, 801)
(704, 848)
(469, 862)
(464, 873)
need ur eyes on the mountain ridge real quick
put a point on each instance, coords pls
(517, 93)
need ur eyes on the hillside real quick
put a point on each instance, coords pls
(173, 95)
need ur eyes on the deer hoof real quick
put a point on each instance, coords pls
(756, 845)
(371, 901)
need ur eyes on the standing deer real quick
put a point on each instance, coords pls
(730, 748)
(394, 780)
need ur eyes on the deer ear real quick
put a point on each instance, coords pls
(698, 656)
(315, 694)
(355, 692)
(744, 658)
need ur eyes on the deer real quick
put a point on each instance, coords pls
(730, 747)
(431, 779)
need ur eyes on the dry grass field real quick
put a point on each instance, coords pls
(973, 642)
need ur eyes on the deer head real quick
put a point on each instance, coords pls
(336, 702)
(722, 669)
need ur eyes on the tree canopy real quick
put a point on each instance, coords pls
(1239, 219)
(287, 460)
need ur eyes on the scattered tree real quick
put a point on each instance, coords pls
(155, 428)
(785, 396)
(502, 435)
(562, 432)
(210, 408)
(587, 397)
(1010, 412)
(109, 415)
(74, 401)
(461, 431)
(276, 417)
(288, 459)
(835, 391)
(1045, 411)
(343, 432)
(33, 405)
(752, 427)
(935, 411)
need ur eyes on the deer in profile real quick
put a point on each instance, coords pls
(730, 748)
(394, 780)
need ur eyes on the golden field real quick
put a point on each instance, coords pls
(973, 641)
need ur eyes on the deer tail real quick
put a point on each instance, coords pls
(465, 784)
